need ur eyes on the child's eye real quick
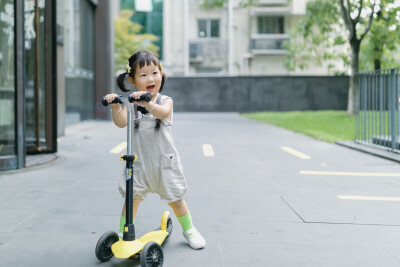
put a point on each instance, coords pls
(142, 75)
(156, 72)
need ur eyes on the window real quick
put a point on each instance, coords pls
(7, 88)
(208, 28)
(270, 25)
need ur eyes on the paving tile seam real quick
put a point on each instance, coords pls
(20, 223)
(290, 207)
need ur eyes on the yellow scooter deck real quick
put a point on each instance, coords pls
(126, 249)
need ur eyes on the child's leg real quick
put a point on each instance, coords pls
(135, 204)
(182, 214)
(191, 234)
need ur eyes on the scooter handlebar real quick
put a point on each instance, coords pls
(116, 100)
(146, 97)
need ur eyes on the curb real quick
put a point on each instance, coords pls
(379, 152)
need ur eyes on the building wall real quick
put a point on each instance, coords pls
(173, 37)
(246, 61)
(258, 93)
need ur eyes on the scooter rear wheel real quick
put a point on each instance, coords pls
(103, 247)
(152, 255)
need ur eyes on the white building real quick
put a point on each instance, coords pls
(196, 40)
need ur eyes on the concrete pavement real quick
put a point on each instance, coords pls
(256, 204)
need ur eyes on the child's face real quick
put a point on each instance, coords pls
(148, 79)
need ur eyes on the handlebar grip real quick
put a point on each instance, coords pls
(116, 100)
(146, 97)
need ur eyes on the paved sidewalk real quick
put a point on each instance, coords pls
(256, 204)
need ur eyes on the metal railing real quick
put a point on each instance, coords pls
(378, 114)
(268, 43)
(201, 50)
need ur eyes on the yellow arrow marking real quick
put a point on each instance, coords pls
(208, 150)
(295, 152)
(351, 173)
(369, 198)
(118, 149)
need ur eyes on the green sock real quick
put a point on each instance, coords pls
(186, 222)
(122, 223)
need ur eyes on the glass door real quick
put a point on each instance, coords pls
(8, 157)
(40, 130)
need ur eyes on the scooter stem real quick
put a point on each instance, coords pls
(129, 229)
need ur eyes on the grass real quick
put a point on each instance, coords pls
(328, 125)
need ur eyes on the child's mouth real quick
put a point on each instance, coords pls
(150, 88)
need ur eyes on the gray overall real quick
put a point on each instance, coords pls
(158, 167)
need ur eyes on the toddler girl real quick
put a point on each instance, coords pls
(158, 168)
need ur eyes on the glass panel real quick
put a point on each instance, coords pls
(151, 21)
(202, 25)
(7, 84)
(215, 28)
(270, 25)
(35, 75)
(79, 60)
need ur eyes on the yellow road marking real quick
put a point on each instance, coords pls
(118, 149)
(351, 173)
(208, 150)
(295, 152)
(369, 198)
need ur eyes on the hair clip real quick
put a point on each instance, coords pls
(128, 68)
(161, 67)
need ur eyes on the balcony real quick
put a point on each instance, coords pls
(270, 10)
(272, 2)
(208, 49)
(268, 44)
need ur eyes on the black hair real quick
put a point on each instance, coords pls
(139, 58)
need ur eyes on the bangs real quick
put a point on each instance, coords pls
(145, 59)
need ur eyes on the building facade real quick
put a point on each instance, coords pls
(50, 70)
(233, 40)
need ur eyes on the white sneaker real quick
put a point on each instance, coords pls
(194, 238)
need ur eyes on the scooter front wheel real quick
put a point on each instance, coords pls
(103, 247)
(151, 255)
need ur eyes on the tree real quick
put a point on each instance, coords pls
(351, 14)
(322, 30)
(382, 42)
(127, 39)
(335, 29)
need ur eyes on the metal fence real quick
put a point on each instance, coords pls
(378, 115)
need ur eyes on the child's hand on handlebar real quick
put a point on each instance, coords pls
(110, 98)
(137, 95)
(114, 106)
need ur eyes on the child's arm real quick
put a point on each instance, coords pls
(162, 111)
(119, 113)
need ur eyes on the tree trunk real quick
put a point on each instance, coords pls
(352, 100)
(377, 58)
(377, 64)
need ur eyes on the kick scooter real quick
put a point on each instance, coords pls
(147, 247)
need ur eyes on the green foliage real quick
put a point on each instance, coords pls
(322, 35)
(206, 4)
(382, 43)
(127, 39)
(318, 37)
(327, 125)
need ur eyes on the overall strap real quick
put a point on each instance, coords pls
(136, 121)
(158, 121)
